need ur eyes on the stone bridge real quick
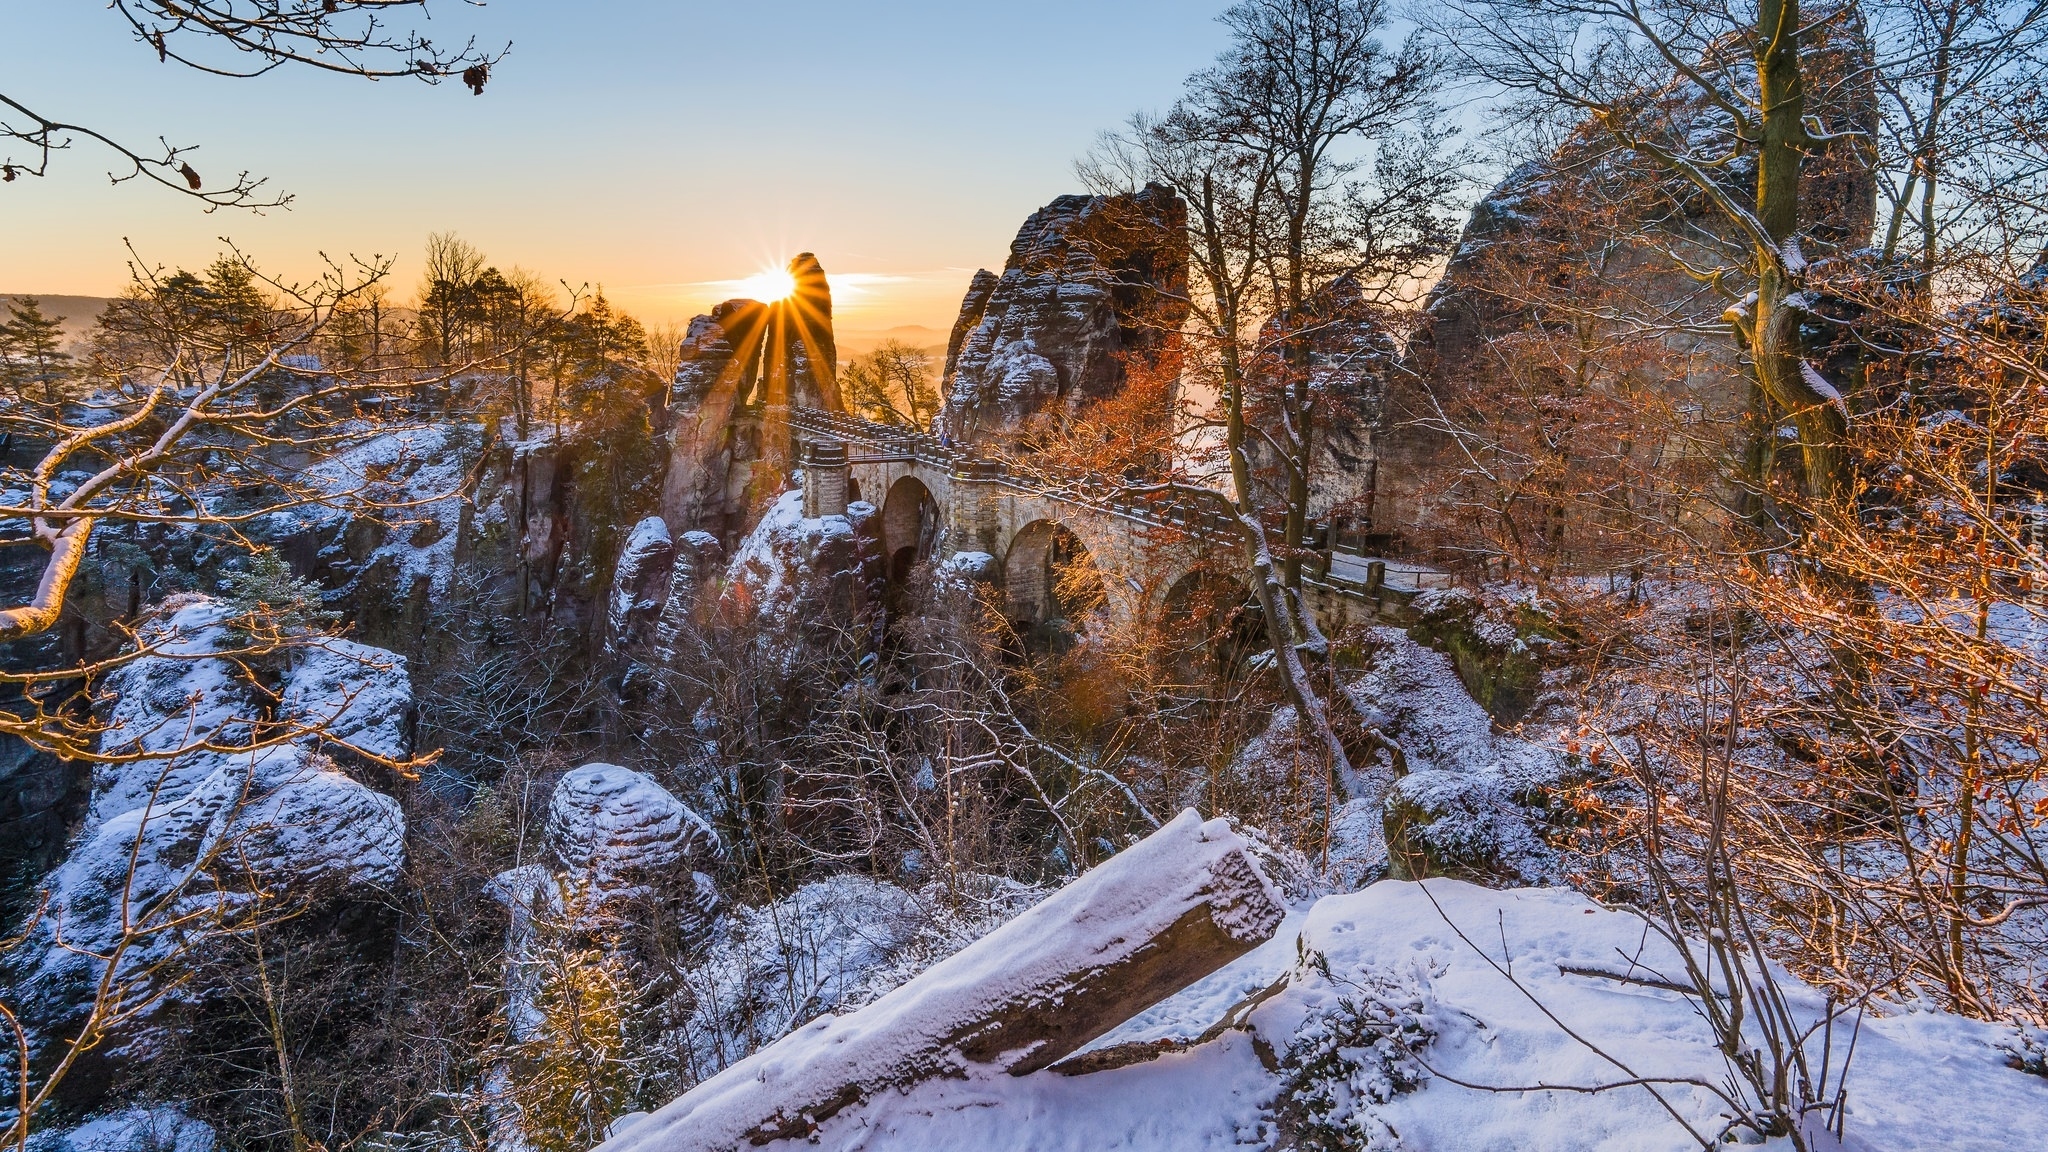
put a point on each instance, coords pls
(938, 500)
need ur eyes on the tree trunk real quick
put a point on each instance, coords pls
(1141, 926)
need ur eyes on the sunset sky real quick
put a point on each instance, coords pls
(662, 148)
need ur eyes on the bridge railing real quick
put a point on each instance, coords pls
(1197, 512)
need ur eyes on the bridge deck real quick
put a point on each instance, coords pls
(1196, 512)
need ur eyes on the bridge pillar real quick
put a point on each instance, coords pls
(826, 473)
(971, 508)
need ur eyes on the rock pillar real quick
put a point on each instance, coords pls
(971, 507)
(826, 475)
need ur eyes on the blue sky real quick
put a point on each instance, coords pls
(654, 147)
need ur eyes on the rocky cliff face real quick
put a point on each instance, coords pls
(215, 838)
(1352, 357)
(713, 443)
(804, 361)
(724, 459)
(1605, 219)
(1093, 284)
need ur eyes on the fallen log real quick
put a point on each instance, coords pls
(1141, 926)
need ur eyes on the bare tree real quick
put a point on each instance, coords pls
(1960, 82)
(1267, 149)
(241, 38)
(897, 383)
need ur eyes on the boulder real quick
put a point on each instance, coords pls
(1497, 650)
(614, 829)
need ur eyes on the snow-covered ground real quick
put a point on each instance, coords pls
(1453, 1056)
(1456, 769)
(158, 1129)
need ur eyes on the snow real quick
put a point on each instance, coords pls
(416, 476)
(967, 568)
(1420, 701)
(165, 702)
(612, 829)
(158, 1129)
(1101, 916)
(1820, 386)
(796, 573)
(1920, 1080)
(359, 695)
(618, 838)
(1458, 768)
(209, 830)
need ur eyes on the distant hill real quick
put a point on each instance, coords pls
(78, 312)
(858, 341)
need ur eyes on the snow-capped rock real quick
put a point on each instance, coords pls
(263, 835)
(181, 845)
(613, 831)
(694, 573)
(640, 584)
(341, 694)
(1091, 282)
(1457, 794)
(355, 695)
(794, 571)
(1392, 1011)
(390, 517)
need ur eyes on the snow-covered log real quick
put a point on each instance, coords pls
(1146, 923)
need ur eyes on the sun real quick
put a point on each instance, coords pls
(768, 287)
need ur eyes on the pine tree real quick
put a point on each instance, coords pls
(272, 603)
(577, 1074)
(32, 357)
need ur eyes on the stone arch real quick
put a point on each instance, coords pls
(1038, 554)
(1219, 618)
(910, 526)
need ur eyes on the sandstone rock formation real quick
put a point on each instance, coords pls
(803, 361)
(1352, 357)
(618, 836)
(640, 583)
(214, 838)
(1593, 218)
(797, 573)
(696, 565)
(742, 358)
(1093, 284)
